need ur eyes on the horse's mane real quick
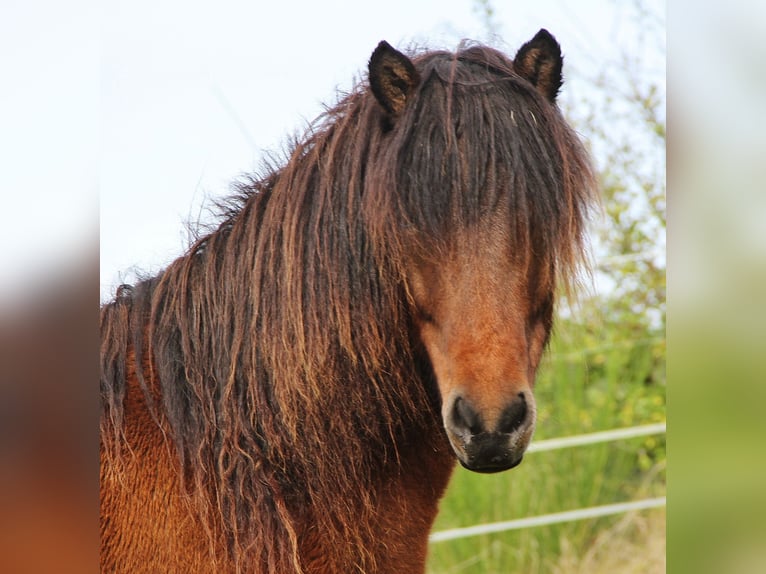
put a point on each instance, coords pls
(281, 342)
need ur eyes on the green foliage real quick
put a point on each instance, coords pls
(622, 119)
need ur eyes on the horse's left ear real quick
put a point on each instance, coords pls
(392, 78)
(539, 61)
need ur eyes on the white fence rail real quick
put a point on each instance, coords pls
(596, 437)
(570, 515)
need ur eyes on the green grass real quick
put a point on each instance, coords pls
(609, 386)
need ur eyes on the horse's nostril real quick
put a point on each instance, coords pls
(464, 417)
(514, 415)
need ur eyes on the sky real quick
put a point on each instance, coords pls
(142, 111)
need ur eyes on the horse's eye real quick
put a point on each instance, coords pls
(543, 312)
(424, 315)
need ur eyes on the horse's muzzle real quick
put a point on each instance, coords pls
(490, 452)
(494, 447)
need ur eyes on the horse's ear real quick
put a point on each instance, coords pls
(392, 78)
(539, 61)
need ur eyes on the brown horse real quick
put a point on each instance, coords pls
(291, 394)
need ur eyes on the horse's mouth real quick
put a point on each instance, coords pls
(489, 453)
(492, 467)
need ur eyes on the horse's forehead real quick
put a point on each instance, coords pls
(481, 255)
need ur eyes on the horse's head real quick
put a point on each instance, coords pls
(484, 318)
(492, 186)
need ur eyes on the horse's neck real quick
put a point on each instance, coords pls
(406, 495)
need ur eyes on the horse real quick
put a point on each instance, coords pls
(292, 394)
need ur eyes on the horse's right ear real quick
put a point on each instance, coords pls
(393, 78)
(539, 61)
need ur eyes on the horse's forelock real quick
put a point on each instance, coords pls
(477, 136)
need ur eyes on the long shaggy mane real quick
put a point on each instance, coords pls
(277, 354)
